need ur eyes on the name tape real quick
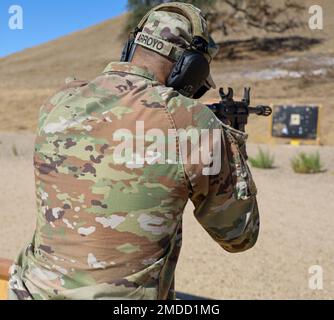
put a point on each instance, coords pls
(163, 47)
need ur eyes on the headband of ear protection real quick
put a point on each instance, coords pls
(193, 14)
(191, 71)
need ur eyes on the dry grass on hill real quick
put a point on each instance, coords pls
(27, 78)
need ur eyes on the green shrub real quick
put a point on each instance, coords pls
(307, 163)
(263, 160)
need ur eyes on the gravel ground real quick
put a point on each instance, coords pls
(296, 229)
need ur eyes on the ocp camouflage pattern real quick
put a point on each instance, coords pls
(174, 29)
(114, 231)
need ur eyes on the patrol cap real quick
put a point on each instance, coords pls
(169, 33)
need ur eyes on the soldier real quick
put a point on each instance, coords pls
(109, 228)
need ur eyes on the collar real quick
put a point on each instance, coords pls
(126, 67)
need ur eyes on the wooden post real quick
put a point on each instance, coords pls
(4, 267)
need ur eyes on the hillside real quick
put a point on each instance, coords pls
(298, 67)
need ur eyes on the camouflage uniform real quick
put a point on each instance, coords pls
(114, 231)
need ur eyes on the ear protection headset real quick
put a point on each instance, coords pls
(192, 68)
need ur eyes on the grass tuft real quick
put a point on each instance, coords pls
(263, 160)
(307, 163)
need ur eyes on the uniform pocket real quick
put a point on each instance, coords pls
(235, 144)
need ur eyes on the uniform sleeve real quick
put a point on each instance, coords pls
(220, 184)
(225, 203)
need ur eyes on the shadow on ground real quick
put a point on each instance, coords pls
(245, 49)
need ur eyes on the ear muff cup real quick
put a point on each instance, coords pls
(201, 92)
(189, 73)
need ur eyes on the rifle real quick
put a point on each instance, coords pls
(236, 113)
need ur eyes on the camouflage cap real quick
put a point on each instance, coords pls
(169, 34)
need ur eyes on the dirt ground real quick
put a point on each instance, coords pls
(296, 229)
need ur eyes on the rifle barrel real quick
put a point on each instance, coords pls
(265, 111)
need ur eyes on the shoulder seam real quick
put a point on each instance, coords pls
(179, 151)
